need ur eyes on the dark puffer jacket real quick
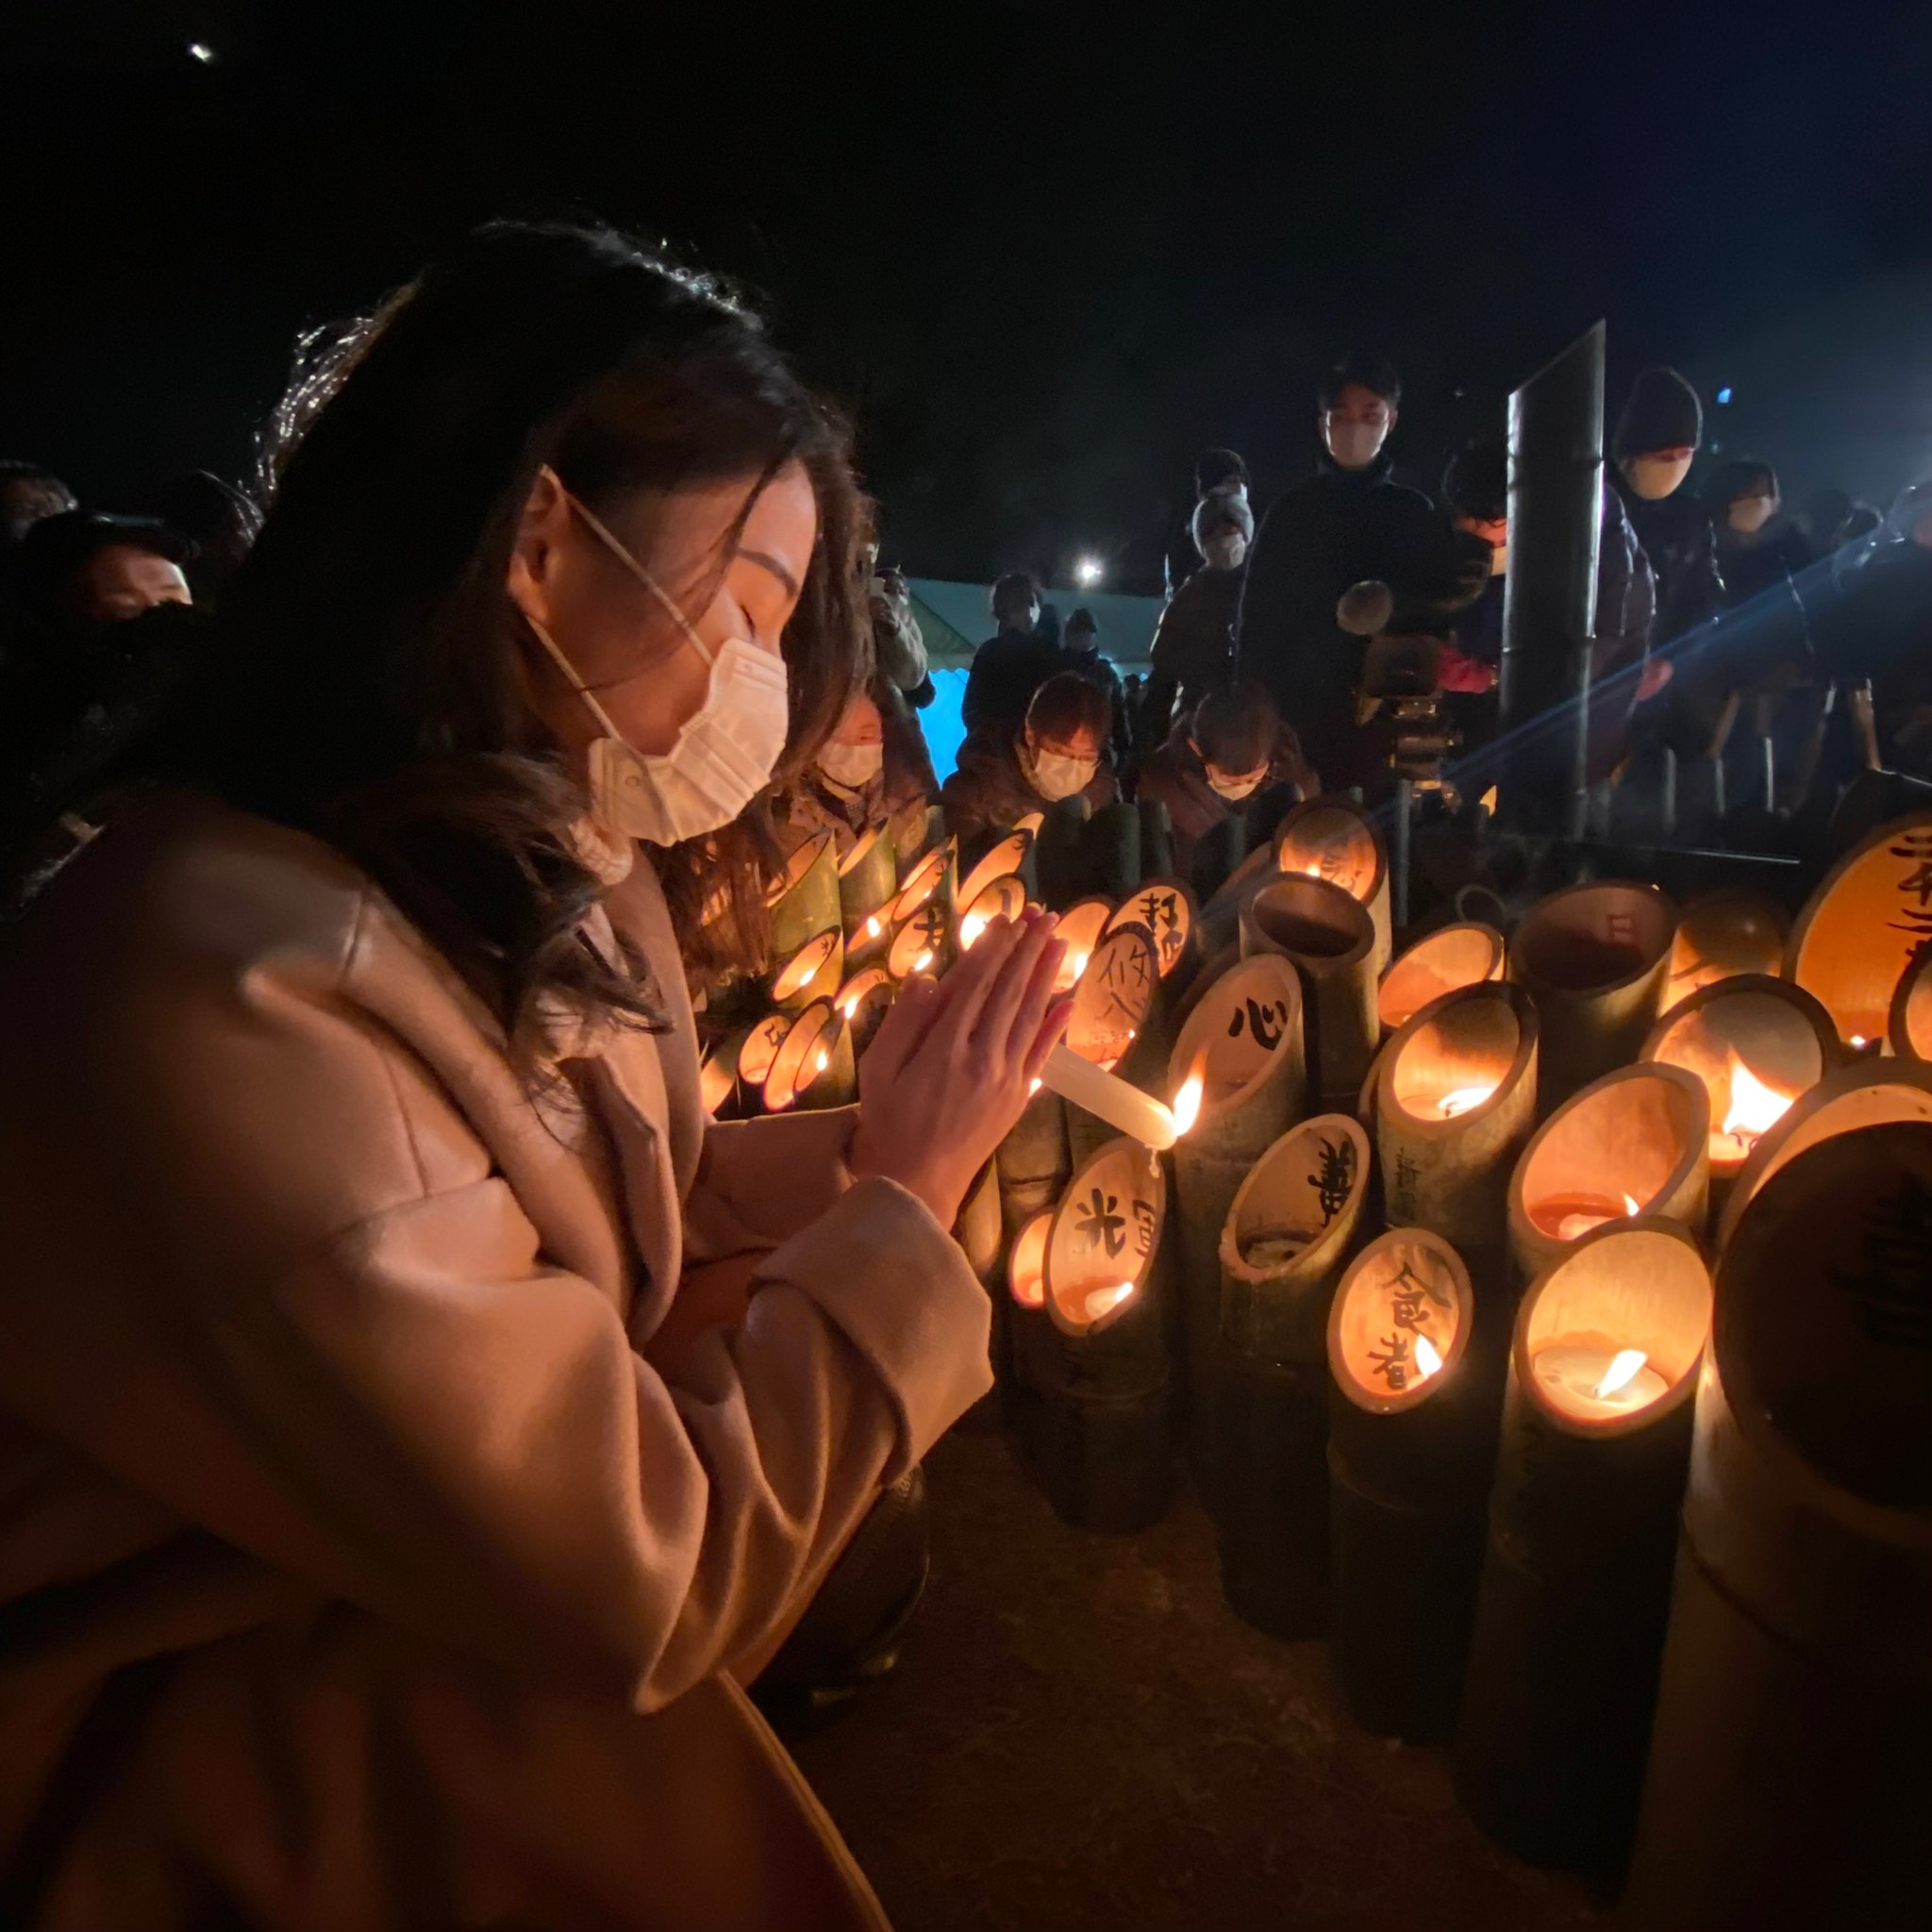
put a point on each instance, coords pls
(1193, 647)
(1175, 777)
(989, 791)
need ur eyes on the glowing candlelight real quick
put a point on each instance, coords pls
(1754, 1109)
(1463, 1100)
(1118, 1104)
(1623, 1369)
(1187, 1103)
(1100, 1301)
(872, 928)
(1857, 1040)
(1567, 1216)
(924, 959)
(1592, 1383)
(1427, 1361)
(824, 1059)
(970, 929)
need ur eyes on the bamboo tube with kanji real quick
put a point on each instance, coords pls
(1113, 1027)
(1411, 1438)
(813, 1067)
(1863, 927)
(1165, 909)
(1283, 1249)
(1442, 961)
(868, 880)
(1242, 1042)
(815, 972)
(1594, 958)
(1635, 1142)
(1582, 1530)
(1790, 1778)
(802, 901)
(1328, 936)
(1757, 1043)
(1103, 1453)
(1332, 838)
(1009, 854)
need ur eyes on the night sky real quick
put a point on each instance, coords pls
(1042, 252)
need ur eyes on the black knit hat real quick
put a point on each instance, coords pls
(1663, 412)
(1476, 481)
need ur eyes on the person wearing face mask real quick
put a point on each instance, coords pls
(1657, 440)
(1349, 523)
(869, 770)
(1217, 472)
(356, 1171)
(1228, 755)
(1011, 665)
(1193, 642)
(1081, 652)
(1058, 751)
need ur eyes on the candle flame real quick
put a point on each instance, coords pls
(851, 1007)
(1755, 1108)
(1187, 1103)
(1630, 1206)
(924, 959)
(1077, 964)
(872, 928)
(1488, 801)
(1857, 1040)
(1100, 1301)
(1463, 1100)
(824, 1059)
(1623, 1369)
(970, 929)
(1034, 1086)
(1426, 1361)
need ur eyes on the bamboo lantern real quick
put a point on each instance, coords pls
(813, 1066)
(802, 901)
(1030, 823)
(1757, 1043)
(1860, 929)
(1112, 850)
(1022, 1336)
(1060, 851)
(1868, 1093)
(813, 973)
(1334, 838)
(1112, 1026)
(1593, 957)
(1006, 856)
(1102, 1378)
(717, 1076)
(1000, 898)
(931, 881)
(1635, 1142)
(1582, 1519)
(761, 1049)
(1720, 935)
(1166, 909)
(1328, 938)
(1910, 1029)
(1410, 1441)
(1283, 1249)
(1242, 1041)
(1790, 1778)
(1080, 926)
(978, 1229)
(1450, 958)
(916, 829)
(862, 1002)
(868, 881)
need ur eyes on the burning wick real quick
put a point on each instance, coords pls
(1078, 965)
(970, 929)
(1463, 1100)
(1098, 1301)
(1623, 1369)
(1187, 1103)
(1592, 1384)
(824, 1059)
(1857, 1040)
(1754, 1109)
(873, 928)
(1568, 1226)
(919, 964)
(1426, 1361)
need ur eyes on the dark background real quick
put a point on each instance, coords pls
(1042, 252)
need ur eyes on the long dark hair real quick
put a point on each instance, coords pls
(372, 683)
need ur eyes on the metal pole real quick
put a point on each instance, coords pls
(1549, 604)
(1398, 884)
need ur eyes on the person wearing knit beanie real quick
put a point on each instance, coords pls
(1657, 439)
(1659, 433)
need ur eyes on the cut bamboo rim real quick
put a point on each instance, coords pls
(1114, 996)
(813, 973)
(1444, 960)
(1244, 1040)
(1720, 935)
(1334, 838)
(1869, 1094)
(804, 898)
(1166, 909)
(1859, 930)
(862, 1002)
(1450, 1173)
(1642, 1134)
(1287, 1238)
(1081, 925)
(1593, 957)
(1026, 1269)
(760, 1048)
(1331, 941)
(1404, 1285)
(1637, 1285)
(1774, 1032)
(813, 1066)
(868, 878)
(1910, 1029)
(1006, 855)
(717, 1076)
(931, 880)
(1030, 823)
(1106, 1235)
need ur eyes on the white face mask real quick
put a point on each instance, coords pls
(1654, 477)
(1225, 551)
(853, 766)
(1054, 775)
(1234, 788)
(1355, 445)
(725, 750)
(1749, 514)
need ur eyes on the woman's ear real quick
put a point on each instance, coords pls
(533, 559)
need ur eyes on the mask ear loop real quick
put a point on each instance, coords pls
(570, 672)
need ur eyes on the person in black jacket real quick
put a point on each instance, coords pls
(1054, 752)
(1347, 525)
(1081, 652)
(1009, 667)
(1217, 472)
(1193, 642)
(1657, 440)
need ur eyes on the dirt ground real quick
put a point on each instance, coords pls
(1081, 1735)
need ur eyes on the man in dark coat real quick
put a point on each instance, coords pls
(1217, 472)
(1009, 667)
(1081, 645)
(1347, 525)
(1657, 440)
(1194, 643)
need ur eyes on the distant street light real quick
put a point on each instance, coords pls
(1090, 570)
(1724, 395)
(200, 50)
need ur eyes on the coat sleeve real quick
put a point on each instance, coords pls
(299, 1304)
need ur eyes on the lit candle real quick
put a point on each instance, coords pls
(1187, 1103)
(1567, 1216)
(1591, 1383)
(970, 929)
(1426, 1361)
(1751, 1109)
(1463, 1100)
(1118, 1104)
(1097, 1302)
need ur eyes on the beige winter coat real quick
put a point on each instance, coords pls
(357, 1570)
